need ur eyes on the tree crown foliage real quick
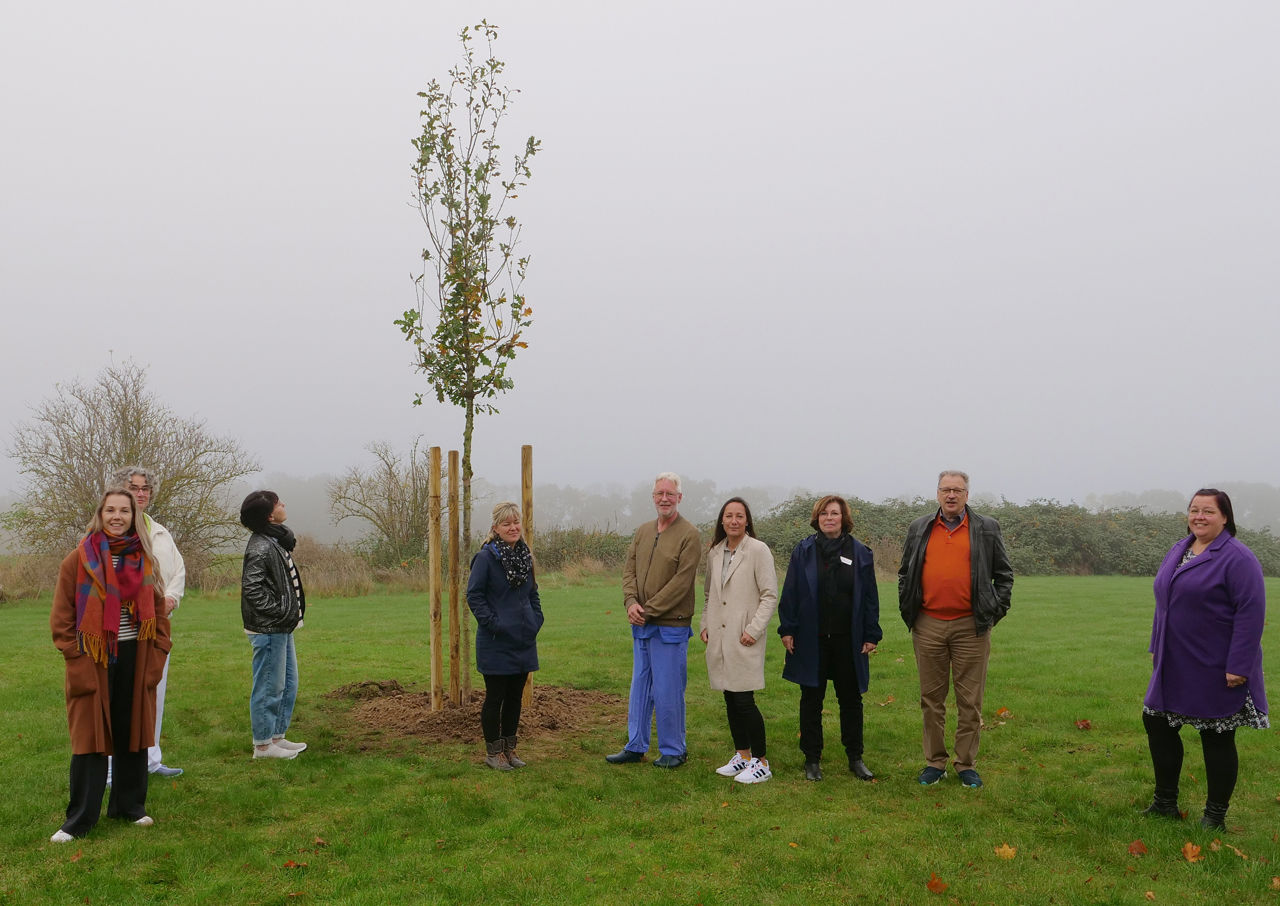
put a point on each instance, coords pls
(470, 318)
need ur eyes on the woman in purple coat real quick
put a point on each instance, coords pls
(1206, 647)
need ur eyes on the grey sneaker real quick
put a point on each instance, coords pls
(970, 779)
(931, 775)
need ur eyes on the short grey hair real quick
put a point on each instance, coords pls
(123, 476)
(671, 477)
(945, 472)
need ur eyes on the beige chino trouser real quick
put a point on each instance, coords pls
(947, 649)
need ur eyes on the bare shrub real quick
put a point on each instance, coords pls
(24, 576)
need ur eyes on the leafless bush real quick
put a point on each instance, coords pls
(25, 576)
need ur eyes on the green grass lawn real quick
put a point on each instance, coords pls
(404, 822)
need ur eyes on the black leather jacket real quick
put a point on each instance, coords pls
(989, 569)
(268, 600)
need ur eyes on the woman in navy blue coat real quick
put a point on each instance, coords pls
(1206, 649)
(829, 620)
(503, 595)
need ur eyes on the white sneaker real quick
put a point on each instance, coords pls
(273, 751)
(289, 746)
(145, 821)
(756, 771)
(61, 837)
(737, 764)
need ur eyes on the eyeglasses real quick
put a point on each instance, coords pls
(950, 491)
(140, 487)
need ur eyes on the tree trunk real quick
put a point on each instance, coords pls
(466, 474)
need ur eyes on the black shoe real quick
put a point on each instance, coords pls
(812, 770)
(668, 761)
(860, 770)
(626, 756)
(1160, 809)
(1215, 816)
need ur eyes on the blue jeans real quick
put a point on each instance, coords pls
(275, 685)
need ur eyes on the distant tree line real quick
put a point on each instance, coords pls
(1043, 537)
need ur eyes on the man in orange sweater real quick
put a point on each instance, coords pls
(954, 584)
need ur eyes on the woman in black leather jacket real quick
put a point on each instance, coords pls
(272, 604)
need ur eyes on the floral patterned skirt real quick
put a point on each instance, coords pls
(1247, 716)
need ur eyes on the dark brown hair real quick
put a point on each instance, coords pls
(720, 533)
(846, 518)
(1224, 504)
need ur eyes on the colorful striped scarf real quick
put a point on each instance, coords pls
(102, 590)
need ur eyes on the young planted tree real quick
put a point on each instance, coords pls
(470, 317)
(76, 440)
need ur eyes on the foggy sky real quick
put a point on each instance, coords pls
(837, 246)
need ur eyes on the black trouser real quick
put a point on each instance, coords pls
(129, 776)
(1221, 762)
(500, 714)
(835, 663)
(746, 723)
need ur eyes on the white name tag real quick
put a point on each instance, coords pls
(846, 561)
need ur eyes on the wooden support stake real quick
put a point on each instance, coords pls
(456, 615)
(526, 510)
(433, 560)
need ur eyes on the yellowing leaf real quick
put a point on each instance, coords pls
(1150, 894)
(794, 845)
(1005, 851)
(1003, 712)
(1191, 852)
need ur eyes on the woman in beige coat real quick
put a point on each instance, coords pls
(741, 596)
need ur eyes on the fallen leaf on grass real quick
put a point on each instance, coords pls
(321, 842)
(1275, 883)
(1003, 712)
(78, 856)
(936, 884)
(1191, 852)
(293, 864)
(1084, 725)
(794, 845)
(887, 701)
(724, 804)
(1217, 846)
(1005, 851)
(1150, 894)
(1137, 848)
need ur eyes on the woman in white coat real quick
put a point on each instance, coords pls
(741, 596)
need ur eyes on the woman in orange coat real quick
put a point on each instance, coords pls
(109, 623)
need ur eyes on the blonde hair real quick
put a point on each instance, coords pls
(144, 537)
(501, 513)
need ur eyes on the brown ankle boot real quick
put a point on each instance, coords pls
(509, 749)
(494, 756)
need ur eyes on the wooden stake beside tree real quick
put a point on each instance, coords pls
(459, 662)
(526, 507)
(471, 279)
(433, 560)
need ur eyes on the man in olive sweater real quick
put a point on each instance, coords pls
(657, 589)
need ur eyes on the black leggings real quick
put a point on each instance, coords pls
(746, 723)
(1221, 763)
(500, 714)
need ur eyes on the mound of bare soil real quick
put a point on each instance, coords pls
(384, 706)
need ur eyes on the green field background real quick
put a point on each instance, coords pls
(361, 818)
